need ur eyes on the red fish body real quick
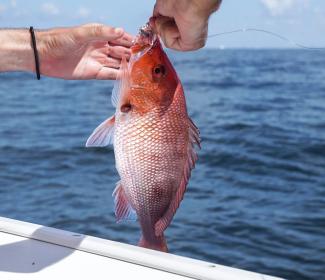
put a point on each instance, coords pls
(153, 140)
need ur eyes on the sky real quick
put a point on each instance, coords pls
(302, 21)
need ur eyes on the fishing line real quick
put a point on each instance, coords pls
(279, 36)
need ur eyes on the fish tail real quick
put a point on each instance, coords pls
(158, 244)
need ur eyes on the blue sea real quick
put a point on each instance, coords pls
(256, 199)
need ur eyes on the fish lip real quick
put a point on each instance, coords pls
(145, 39)
(146, 31)
(146, 34)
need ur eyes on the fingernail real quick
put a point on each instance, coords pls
(118, 31)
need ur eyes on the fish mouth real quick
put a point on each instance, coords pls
(144, 41)
(146, 34)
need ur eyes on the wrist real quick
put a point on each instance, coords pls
(49, 48)
(16, 51)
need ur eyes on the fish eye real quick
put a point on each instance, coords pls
(159, 70)
(125, 108)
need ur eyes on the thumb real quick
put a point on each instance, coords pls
(96, 31)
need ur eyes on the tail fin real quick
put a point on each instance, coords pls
(159, 244)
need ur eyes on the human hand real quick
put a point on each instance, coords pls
(91, 51)
(183, 24)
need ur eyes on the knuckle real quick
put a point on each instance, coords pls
(198, 45)
(97, 30)
(201, 44)
(91, 24)
(92, 29)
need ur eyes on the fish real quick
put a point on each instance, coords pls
(155, 141)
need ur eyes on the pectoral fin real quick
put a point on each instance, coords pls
(103, 135)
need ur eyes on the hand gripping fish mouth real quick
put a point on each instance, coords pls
(154, 140)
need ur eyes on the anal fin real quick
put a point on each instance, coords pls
(123, 209)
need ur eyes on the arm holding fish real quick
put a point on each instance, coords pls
(183, 24)
(91, 51)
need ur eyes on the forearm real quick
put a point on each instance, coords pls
(16, 52)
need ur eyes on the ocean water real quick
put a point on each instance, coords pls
(256, 199)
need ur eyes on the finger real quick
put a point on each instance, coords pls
(112, 62)
(155, 12)
(162, 23)
(121, 42)
(107, 73)
(95, 31)
(183, 37)
(108, 61)
(128, 38)
(193, 37)
(99, 45)
(115, 52)
(168, 31)
(118, 52)
(161, 8)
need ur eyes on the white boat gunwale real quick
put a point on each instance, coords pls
(174, 264)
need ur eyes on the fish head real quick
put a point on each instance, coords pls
(153, 79)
